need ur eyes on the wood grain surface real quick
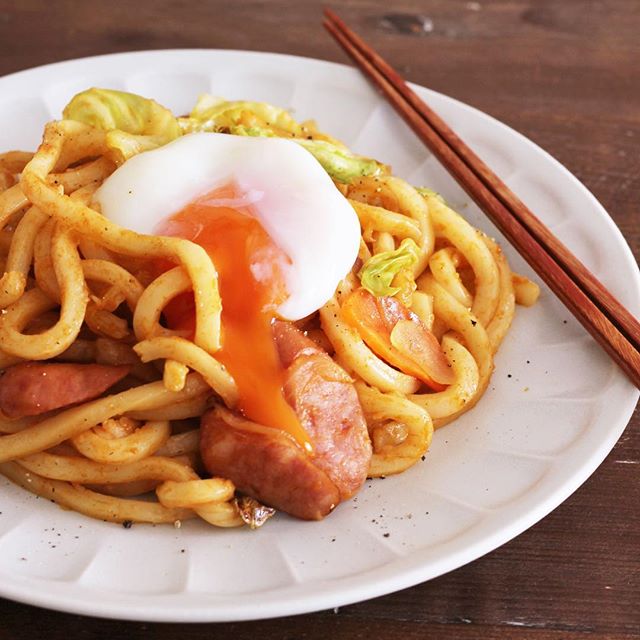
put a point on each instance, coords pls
(565, 73)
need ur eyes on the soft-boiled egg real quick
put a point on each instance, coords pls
(276, 180)
(279, 233)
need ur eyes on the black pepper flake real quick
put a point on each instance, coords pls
(386, 535)
(423, 458)
(509, 375)
(181, 550)
(564, 322)
(127, 524)
(474, 322)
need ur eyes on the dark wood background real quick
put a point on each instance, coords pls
(566, 73)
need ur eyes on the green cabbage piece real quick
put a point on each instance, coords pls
(340, 163)
(133, 123)
(430, 193)
(215, 114)
(378, 272)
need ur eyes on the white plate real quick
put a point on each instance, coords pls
(554, 409)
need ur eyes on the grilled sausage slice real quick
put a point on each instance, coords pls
(32, 388)
(327, 405)
(268, 464)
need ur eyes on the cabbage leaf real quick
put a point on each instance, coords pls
(378, 272)
(133, 123)
(340, 163)
(244, 118)
(216, 114)
(425, 192)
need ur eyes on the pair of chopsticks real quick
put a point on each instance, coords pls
(614, 328)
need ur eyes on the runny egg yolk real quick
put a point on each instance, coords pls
(252, 285)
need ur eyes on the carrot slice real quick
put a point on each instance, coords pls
(396, 334)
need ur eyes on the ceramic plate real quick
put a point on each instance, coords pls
(554, 409)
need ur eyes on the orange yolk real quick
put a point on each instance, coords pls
(252, 285)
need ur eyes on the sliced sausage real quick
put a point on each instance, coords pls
(270, 465)
(327, 405)
(267, 464)
(32, 388)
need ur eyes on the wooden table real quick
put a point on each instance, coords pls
(565, 74)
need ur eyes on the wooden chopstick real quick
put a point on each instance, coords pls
(586, 280)
(615, 329)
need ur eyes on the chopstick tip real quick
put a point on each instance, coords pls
(328, 12)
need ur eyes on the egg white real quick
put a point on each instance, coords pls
(287, 189)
